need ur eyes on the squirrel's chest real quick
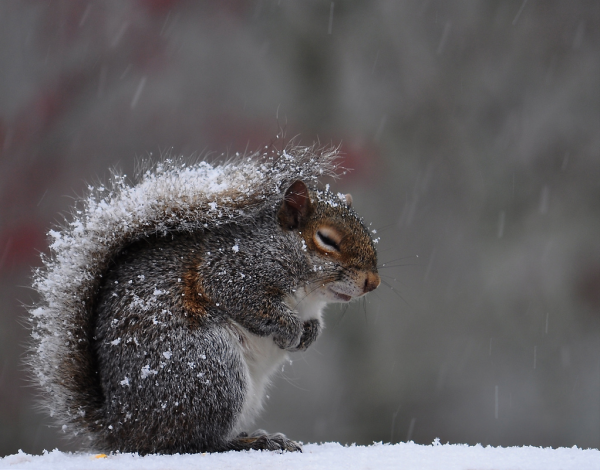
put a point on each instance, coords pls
(261, 355)
(261, 358)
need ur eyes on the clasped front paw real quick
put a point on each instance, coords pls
(289, 333)
(311, 331)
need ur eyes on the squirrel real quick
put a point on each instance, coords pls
(168, 303)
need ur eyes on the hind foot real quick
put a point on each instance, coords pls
(260, 440)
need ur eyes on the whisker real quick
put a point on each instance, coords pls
(391, 278)
(395, 292)
(321, 281)
(341, 317)
(385, 227)
(385, 250)
(399, 259)
(291, 382)
(386, 266)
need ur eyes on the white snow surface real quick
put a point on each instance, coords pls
(330, 456)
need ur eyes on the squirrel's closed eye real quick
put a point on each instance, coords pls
(327, 240)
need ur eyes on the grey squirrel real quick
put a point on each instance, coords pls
(166, 305)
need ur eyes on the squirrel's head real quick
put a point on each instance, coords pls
(339, 247)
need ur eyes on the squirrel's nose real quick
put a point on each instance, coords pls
(371, 282)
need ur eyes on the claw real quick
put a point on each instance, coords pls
(260, 440)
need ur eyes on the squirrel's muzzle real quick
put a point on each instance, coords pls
(372, 281)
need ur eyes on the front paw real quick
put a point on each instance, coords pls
(289, 333)
(312, 329)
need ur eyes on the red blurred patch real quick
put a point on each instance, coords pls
(3, 136)
(588, 287)
(20, 245)
(362, 160)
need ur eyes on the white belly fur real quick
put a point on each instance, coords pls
(262, 357)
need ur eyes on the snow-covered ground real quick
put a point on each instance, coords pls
(330, 456)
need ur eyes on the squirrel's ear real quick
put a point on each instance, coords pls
(295, 207)
(348, 199)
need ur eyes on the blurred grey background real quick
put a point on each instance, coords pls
(473, 128)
